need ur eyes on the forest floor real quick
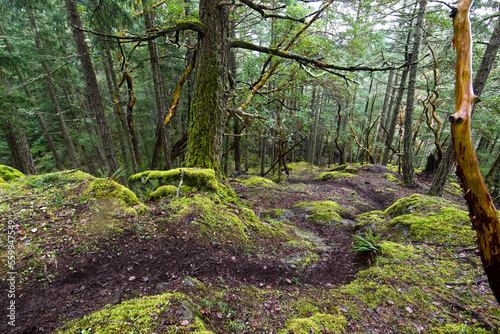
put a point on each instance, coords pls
(75, 256)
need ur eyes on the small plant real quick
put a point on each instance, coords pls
(367, 246)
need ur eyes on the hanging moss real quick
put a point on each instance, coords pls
(9, 174)
(106, 189)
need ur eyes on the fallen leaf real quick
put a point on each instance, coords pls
(184, 323)
(409, 309)
(131, 278)
(289, 281)
(219, 315)
(34, 230)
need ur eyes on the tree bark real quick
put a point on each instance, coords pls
(408, 169)
(482, 211)
(208, 110)
(479, 82)
(92, 87)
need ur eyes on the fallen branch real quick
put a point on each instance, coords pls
(281, 156)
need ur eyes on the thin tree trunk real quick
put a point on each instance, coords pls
(159, 88)
(408, 169)
(92, 87)
(70, 147)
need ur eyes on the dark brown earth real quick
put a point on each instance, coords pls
(130, 265)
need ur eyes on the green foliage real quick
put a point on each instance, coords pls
(367, 245)
(106, 189)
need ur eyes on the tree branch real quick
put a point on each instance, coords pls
(306, 60)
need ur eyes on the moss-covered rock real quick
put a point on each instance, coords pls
(108, 189)
(255, 181)
(9, 174)
(323, 212)
(163, 191)
(61, 177)
(318, 323)
(143, 314)
(333, 175)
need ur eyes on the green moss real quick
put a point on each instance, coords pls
(256, 181)
(347, 168)
(450, 225)
(108, 189)
(143, 314)
(302, 167)
(372, 220)
(333, 175)
(459, 328)
(195, 178)
(318, 323)
(326, 212)
(390, 177)
(163, 191)
(58, 178)
(9, 174)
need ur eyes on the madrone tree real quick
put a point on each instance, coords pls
(482, 211)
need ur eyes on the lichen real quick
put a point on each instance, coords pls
(142, 314)
(109, 189)
(9, 174)
(318, 323)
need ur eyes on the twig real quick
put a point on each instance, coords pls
(180, 183)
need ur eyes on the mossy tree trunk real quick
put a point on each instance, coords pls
(482, 211)
(208, 110)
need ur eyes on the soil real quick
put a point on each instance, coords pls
(128, 265)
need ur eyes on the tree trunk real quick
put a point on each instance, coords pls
(120, 124)
(208, 111)
(162, 136)
(16, 139)
(408, 170)
(92, 88)
(479, 82)
(383, 118)
(482, 211)
(70, 147)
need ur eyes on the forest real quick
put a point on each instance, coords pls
(249, 166)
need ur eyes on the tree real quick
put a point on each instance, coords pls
(92, 87)
(482, 211)
(408, 169)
